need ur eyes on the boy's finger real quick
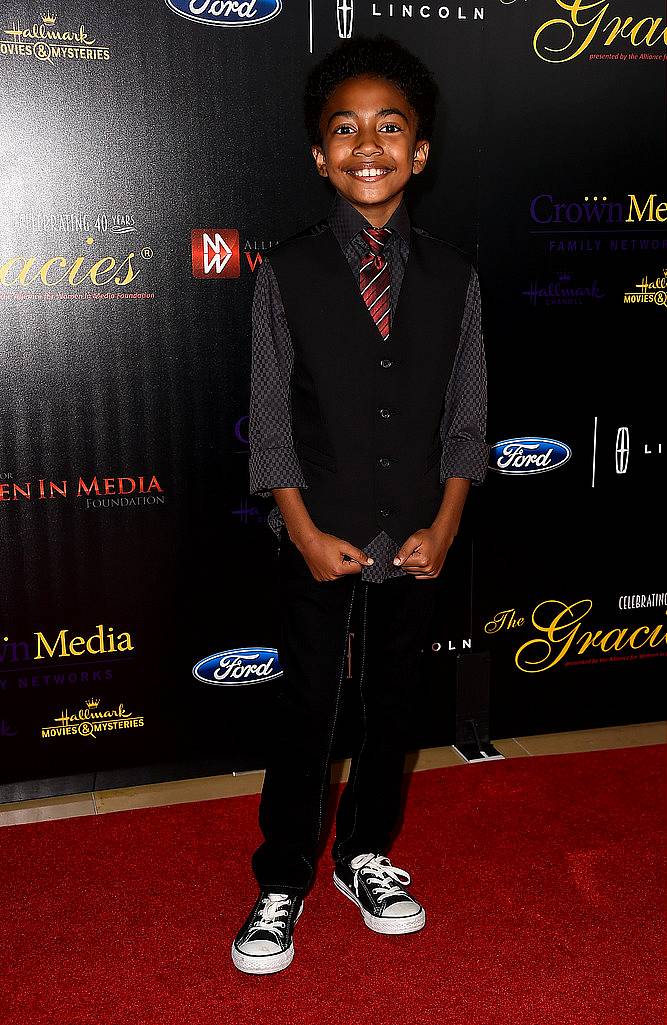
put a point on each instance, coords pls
(350, 552)
(406, 549)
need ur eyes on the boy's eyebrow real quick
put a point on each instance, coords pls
(378, 113)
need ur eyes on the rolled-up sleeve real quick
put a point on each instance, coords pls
(465, 452)
(273, 462)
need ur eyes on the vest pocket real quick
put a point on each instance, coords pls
(313, 455)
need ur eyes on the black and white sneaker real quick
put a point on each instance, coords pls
(264, 942)
(372, 883)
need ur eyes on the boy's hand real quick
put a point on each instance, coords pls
(423, 553)
(328, 557)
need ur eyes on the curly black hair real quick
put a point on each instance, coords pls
(380, 56)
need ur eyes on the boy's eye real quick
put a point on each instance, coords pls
(389, 124)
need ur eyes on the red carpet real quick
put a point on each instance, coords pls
(542, 877)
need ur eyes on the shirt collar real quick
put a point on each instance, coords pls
(345, 220)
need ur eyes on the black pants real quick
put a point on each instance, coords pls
(316, 615)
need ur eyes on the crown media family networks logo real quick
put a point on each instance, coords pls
(46, 661)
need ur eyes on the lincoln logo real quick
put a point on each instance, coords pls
(344, 12)
(522, 456)
(622, 449)
(238, 667)
(226, 13)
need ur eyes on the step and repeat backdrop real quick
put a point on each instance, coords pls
(151, 154)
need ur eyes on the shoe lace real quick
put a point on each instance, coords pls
(269, 915)
(379, 870)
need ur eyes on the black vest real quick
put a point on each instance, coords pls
(366, 412)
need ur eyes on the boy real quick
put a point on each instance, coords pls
(368, 393)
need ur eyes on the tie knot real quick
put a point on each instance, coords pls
(376, 239)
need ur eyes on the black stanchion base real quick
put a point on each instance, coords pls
(473, 681)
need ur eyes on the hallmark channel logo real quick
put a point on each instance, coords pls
(226, 13)
(95, 492)
(646, 291)
(50, 44)
(562, 634)
(523, 456)
(239, 667)
(562, 291)
(89, 720)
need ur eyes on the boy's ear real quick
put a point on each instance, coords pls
(320, 160)
(420, 157)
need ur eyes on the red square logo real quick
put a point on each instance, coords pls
(216, 253)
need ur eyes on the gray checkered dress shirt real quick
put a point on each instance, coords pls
(273, 461)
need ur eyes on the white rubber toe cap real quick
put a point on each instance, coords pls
(401, 909)
(258, 948)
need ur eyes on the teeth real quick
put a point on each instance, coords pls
(369, 172)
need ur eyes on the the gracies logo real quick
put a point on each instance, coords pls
(562, 39)
(238, 667)
(522, 456)
(561, 637)
(226, 13)
(29, 270)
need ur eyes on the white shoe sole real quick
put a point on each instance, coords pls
(264, 964)
(388, 926)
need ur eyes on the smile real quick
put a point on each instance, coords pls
(369, 172)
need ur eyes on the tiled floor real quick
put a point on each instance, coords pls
(181, 791)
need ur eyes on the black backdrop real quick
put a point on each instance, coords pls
(127, 131)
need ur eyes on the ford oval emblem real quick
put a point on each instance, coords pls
(226, 13)
(239, 667)
(521, 456)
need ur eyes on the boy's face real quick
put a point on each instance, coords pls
(369, 145)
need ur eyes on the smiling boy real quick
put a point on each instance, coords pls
(367, 425)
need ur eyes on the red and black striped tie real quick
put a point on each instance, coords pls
(374, 278)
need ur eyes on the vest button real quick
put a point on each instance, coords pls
(385, 413)
(385, 362)
(384, 461)
(384, 512)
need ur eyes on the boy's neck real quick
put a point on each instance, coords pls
(377, 214)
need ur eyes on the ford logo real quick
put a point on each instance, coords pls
(226, 13)
(238, 667)
(521, 456)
